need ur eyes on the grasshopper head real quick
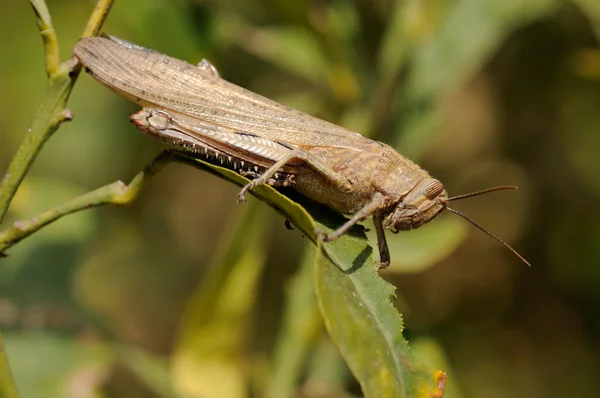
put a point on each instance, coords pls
(428, 199)
(421, 205)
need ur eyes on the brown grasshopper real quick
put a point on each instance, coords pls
(193, 108)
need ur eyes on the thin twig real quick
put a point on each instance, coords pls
(44, 23)
(117, 193)
(97, 18)
(52, 111)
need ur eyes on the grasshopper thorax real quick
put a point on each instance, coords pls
(419, 206)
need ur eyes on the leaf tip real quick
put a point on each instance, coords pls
(440, 379)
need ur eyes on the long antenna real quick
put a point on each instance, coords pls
(458, 213)
(468, 195)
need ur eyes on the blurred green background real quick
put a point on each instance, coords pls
(112, 302)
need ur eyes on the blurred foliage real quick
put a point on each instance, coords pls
(479, 92)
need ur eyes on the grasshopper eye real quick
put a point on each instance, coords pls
(433, 189)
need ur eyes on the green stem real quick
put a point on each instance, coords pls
(117, 193)
(49, 116)
(44, 23)
(52, 112)
(97, 18)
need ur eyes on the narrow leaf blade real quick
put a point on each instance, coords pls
(367, 328)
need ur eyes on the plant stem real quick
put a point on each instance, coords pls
(44, 23)
(97, 18)
(117, 193)
(52, 111)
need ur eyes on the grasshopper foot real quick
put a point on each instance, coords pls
(253, 184)
(246, 188)
(323, 236)
(241, 196)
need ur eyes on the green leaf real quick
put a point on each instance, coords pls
(367, 328)
(354, 301)
(431, 351)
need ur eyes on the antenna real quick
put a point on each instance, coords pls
(458, 213)
(477, 193)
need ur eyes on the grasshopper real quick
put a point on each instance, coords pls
(194, 109)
